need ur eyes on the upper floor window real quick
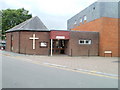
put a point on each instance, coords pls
(85, 17)
(80, 20)
(75, 22)
(93, 8)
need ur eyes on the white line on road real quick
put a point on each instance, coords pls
(83, 70)
(56, 65)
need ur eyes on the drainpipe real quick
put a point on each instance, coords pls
(19, 42)
(51, 46)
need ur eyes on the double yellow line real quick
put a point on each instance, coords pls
(68, 69)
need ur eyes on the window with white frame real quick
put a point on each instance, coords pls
(80, 20)
(85, 17)
(84, 41)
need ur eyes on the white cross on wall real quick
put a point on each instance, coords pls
(33, 38)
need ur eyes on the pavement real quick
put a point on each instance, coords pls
(97, 65)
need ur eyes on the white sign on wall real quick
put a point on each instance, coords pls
(60, 37)
(43, 44)
(107, 51)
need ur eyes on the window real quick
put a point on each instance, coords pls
(85, 17)
(87, 41)
(75, 22)
(81, 41)
(84, 41)
(80, 20)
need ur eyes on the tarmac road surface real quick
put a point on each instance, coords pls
(20, 74)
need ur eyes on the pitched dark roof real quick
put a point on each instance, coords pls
(32, 24)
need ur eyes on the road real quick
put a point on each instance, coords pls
(20, 74)
(0, 70)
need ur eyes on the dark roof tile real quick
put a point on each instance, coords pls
(32, 24)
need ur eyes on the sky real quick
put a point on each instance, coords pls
(53, 13)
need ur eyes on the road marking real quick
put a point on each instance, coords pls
(95, 73)
(83, 72)
(86, 71)
(101, 73)
(56, 65)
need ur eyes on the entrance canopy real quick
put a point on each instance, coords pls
(59, 34)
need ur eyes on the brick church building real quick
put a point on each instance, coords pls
(92, 32)
(33, 37)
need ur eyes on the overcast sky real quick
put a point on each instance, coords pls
(53, 13)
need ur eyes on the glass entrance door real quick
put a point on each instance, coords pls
(59, 46)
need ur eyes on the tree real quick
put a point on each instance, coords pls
(13, 17)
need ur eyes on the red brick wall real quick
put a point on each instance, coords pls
(26, 43)
(12, 43)
(108, 29)
(76, 49)
(8, 42)
(119, 37)
(15, 42)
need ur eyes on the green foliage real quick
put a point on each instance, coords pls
(13, 17)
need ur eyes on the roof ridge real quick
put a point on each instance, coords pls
(41, 21)
(27, 22)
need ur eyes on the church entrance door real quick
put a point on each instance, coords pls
(59, 46)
